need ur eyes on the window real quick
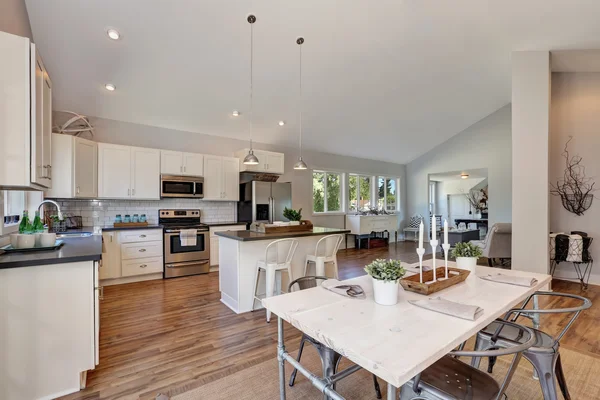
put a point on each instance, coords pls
(14, 204)
(432, 198)
(327, 192)
(387, 193)
(359, 193)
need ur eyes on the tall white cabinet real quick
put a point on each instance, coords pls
(221, 178)
(25, 116)
(178, 163)
(126, 172)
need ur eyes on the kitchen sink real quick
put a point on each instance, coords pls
(67, 235)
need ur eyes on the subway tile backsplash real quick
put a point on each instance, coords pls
(103, 212)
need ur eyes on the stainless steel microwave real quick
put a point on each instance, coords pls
(181, 186)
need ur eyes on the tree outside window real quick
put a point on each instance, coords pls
(387, 193)
(327, 192)
(359, 192)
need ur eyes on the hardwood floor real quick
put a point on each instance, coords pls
(171, 336)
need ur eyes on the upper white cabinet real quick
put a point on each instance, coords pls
(126, 172)
(178, 163)
(75, 167)
(268, 161)
(221, 178)
(25, 116)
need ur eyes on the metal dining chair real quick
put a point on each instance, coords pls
(544, 354)
(452, 379)
(325, 253)
(330, 360)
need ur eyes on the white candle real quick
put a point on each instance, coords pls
(433, 227)
(445, 231)
(421, 235)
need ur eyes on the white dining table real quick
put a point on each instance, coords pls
(393, 342)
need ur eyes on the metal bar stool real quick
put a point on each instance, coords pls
(544, 354)
(330, 359)
(451, 379)
(278, 257)
(325, 252)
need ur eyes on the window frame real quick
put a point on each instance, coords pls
(385, 180)
(372, 192)
(14, 227)
(343, 194)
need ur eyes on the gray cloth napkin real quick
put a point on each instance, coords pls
(511, 280)
(459, 310)
(344, 289)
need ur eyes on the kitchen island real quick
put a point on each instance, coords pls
(240, 250)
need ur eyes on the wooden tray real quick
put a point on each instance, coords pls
(455, 275)
(130, 224)
(304, 226)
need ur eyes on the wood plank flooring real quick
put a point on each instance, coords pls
(171, 336)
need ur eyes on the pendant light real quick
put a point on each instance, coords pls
(300, 165)
(251, 159)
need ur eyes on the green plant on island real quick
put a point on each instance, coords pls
(292, 214)
(386, 270)
(466, 250)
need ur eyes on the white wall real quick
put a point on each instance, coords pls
(576, 112)
(530, 146)
(117, 132)
(443, 189)
(486, 144)
(14, 18)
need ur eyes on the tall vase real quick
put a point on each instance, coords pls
(385, 293)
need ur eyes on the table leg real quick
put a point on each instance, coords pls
(280, 359)
(329, 362)
(392, 392)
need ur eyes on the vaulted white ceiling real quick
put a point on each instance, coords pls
(385, 79)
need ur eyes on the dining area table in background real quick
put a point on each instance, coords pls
(395, 343)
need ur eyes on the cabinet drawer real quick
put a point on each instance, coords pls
(142, 266)
(227, 228)
(149, 235)
(141, 250)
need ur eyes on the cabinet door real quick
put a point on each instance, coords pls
(262, 162)
(213, 177)
(171, 162)
(214, 251)
(275, 163)
(231, 179)
(85, 165)
(114, 171)
(47, 129)
(145, 171)
(193, 164)
(39, 171)
(111, 256)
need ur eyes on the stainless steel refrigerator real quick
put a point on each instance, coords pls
(263, 201)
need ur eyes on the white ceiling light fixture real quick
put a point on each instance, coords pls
(235, 113)
(251, 159)
(110, 87)
(281, 123)
(464, 176)
(300, 165)
(113, 34)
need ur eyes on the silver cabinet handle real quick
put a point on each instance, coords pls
(142, 236)
(143, 266)
(128, 192)
(49, 173)
(133, 192)
(184, 169)
(77, 189)
(142, 250)
(100, 289)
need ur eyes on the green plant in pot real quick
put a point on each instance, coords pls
(466, 255)
(385, 274)
(294, 216)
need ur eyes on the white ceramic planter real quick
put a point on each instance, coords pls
(386, 293)
(294, 222)
(466, 262)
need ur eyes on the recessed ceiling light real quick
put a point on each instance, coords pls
(113, 34)
(110, 87)
(464, 176)
(281, 123)
(235, 113)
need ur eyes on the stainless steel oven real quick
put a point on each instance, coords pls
(181, 186)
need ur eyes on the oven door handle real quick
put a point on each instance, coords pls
(200, 232)
(186, 264)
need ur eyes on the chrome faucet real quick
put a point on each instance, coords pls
(60, 216)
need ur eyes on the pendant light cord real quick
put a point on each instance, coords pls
(301, 98)
(251, 79)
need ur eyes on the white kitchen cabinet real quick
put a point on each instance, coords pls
(365, 224)
(75, 167)
(177, 163)
(25, 116)
(111, 256)
(268, 161)
(221, 178)
(126, 172)
(214, 240)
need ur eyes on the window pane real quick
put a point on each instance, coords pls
(365, 192)
(334, 192)
(390, 194)
(318, 192)
(380, 193)
(353, 194)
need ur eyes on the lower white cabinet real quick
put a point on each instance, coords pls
(141, 250)
(365, 224)
(142, 266)
(221, 178)
(111, 256)
(214, 240)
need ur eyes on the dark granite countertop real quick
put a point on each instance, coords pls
(224, 223)
(248, 236)
(74, 250)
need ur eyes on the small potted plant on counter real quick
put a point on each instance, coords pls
(294, 216)
(466, 255)
(385, 274)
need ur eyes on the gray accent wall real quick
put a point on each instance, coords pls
(486, 144)
(14, 18)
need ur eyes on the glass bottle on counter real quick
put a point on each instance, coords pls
(25, 225)
(38, 226)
